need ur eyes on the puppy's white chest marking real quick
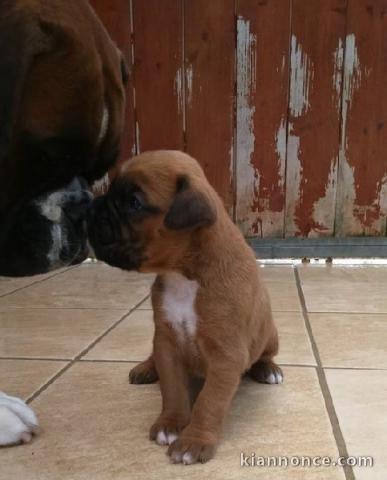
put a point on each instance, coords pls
(178, 304)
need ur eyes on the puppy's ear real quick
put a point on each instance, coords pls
(190, 208)
(21, 38)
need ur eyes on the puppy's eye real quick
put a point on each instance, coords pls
(135, 203)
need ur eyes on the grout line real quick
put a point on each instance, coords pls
(13, 308)
(336, 429)
(112, 360)
(91, 360)
(43, 359)
(36, 282)
(337, 312)
(83, 352)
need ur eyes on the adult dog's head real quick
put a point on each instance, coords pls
(157, 211)
(61, 115)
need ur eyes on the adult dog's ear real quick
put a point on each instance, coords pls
(21, 38)
(190, 208)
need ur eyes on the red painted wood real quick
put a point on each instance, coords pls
(362, 199)
(158, 34)
(318, 33)
(262, 100)
(209, 65)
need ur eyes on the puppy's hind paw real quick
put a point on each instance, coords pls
(144, 372)
(266, 372)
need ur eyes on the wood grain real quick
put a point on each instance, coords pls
(362, 193)
(158, 63)
(317, 42)
(263, 31)
(209, 78)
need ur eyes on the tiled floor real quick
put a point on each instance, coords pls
(68, 341)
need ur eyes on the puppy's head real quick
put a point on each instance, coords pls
(158, 205)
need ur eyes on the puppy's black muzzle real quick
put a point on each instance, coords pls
(111, 237)
(103, 226)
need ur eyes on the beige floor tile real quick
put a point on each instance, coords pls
(22, 378)
(51, 333)
(280, 273)
(131, 340)
(358, 289)
(101, 272)
(351, 340)
(295, 347)
(96, 427)
(360, 400)
(348, 274)
(284, 296)
(147, 305)
(10, 284)
(345, 297)
(88, 286)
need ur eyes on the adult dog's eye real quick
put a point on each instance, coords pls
(135, 203)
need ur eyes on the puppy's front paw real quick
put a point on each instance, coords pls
(188, 450)
(165, 431)
(17, 421)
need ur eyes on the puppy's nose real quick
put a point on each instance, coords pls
(99, 223)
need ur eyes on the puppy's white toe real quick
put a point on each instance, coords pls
(161, 438)
(171, 437)
(17, 421)
(165, 438)
(187, 458)
(275, 378)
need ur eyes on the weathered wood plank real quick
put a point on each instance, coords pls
(158, 63)
(262, 100)
(362, 192)
(318, 33)
(209, 79)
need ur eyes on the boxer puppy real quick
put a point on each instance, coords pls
(62, 101)
(212, 312)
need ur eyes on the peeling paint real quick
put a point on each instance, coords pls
(338, 59)
(382, 197)
(280, 141)
(189, 80)
(352, 82)
(349, 214)
(283, 64)
(323, 208)
(179, 90)
(301, 77)
(246, 174)
(293, 179)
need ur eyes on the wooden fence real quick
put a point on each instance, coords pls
(283, 102)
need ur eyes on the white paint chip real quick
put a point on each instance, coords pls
(301, 77)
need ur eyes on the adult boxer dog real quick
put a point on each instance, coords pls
(61, 116)
(211, 311)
